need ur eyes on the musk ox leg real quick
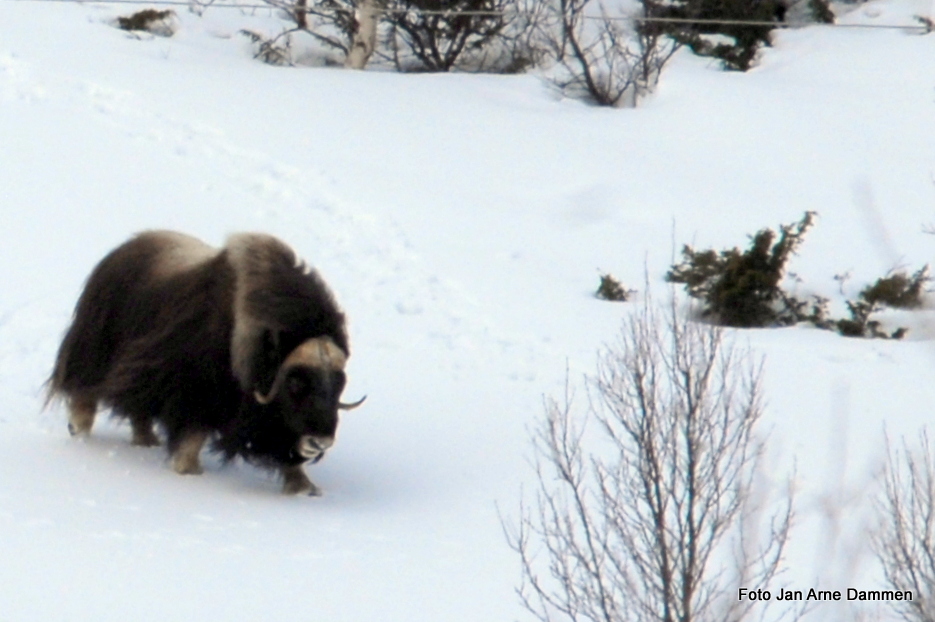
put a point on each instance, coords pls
(81, 411)
(296, 482)
(185, 457)
(143, 435)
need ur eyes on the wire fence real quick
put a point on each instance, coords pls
(924, 25)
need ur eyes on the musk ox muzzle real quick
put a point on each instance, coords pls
(313, 448)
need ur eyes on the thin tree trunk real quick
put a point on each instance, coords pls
(365, 39)
(301, 14)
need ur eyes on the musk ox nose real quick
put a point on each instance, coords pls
(313, 447)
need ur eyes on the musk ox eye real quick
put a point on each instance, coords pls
(298, 387)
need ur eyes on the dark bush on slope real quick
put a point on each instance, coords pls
(741, 288)
(149, 20)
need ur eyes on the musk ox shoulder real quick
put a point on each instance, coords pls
(243, 346)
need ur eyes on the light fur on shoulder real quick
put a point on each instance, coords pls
(250, 255)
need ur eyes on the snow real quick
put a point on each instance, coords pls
(462, 221)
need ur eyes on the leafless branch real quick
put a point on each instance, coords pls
(905, 540)
(645, 506)
(609, 60)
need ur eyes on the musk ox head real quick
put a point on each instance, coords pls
(306, 393)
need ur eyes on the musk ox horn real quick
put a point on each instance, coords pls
(266, 399)
(352, 405)
(319, 352)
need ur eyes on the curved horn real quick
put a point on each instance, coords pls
(352, 405)
(273, 389)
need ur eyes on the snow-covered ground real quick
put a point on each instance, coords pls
(462, 221)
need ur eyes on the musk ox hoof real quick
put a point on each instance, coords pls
(185, 457)
(186, 468)
(78, 432)
(81, 418)
(311, 490)
(296, 482)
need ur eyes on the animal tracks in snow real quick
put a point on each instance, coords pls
(17, 82)
(307, 209)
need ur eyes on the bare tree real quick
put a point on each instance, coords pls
(437, 35)
(364, 34)
(905, 540)
(606, 57)
(652, 515)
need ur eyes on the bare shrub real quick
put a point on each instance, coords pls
(471, 35)
(656, 514)
(271, 50)
(606, 58)
(905, 540)
(519, 46)
(422, 35)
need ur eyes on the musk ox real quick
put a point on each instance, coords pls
(243, 345)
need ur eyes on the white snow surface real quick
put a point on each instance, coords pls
(462, 221)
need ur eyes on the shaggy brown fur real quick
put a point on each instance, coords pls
(243, 344)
